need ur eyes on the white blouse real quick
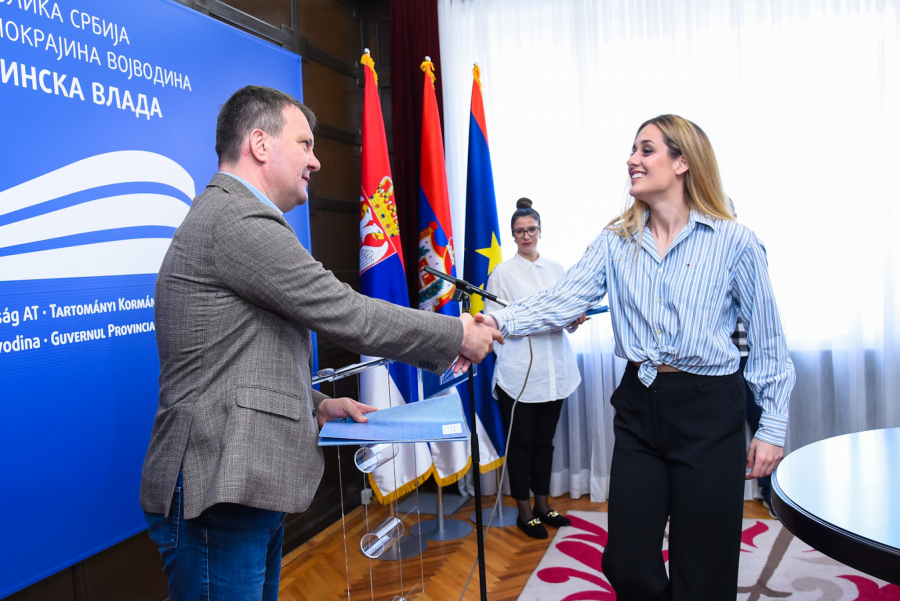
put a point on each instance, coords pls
(554, 373)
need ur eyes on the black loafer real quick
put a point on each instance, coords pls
(552, 518)
(532, 528)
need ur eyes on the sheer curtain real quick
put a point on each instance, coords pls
(800, 100)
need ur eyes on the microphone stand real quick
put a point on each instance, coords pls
(462, 292)
(464, 287)
(476, 463)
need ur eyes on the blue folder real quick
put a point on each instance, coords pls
(597, 310)
(438, 419)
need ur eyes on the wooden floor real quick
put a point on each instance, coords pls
(317, 571)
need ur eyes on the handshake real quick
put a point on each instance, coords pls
(479, 334)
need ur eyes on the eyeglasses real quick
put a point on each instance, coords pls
(532, 231)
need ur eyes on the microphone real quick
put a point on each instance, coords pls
(466, 287)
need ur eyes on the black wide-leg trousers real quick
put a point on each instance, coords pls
(680, 454)
(529, 455)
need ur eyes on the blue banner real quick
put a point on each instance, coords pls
(108, 115)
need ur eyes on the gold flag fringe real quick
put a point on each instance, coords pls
(367, 61)
(384, 499)
(402, 490)
(428, 68)
(489, 467)
(452, 477)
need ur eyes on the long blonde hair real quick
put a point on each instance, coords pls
(702, 182)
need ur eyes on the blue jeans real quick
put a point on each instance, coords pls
(228, 552)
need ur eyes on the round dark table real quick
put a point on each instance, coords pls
(841, 496)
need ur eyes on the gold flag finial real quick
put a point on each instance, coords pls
(367, 61)
(428, 68)
(476, 72)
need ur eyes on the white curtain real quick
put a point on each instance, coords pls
(801, 100)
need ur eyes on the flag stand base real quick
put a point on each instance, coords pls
(504, 516)
(428, 501)
(440, 528)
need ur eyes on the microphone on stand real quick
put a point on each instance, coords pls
(468, 288)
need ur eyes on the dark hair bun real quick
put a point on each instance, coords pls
(523, 209)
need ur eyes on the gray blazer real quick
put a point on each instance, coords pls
(236, 298)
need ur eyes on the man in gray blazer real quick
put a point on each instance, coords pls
(233, 445)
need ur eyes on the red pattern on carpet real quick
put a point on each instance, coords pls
(774, 564)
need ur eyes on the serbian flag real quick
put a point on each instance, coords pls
(436, 249)
(482, 248)
(382, 275)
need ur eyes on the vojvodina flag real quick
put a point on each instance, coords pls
(482, 247)
(382, 275)
(435, 228)
(436, 249)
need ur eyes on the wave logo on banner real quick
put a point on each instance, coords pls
(107, 215)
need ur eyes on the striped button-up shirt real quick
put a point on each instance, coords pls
(679, 310)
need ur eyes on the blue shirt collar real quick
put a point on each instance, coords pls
(262, 197)
(698, 217)
(694, 218)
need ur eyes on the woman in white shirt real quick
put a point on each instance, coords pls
(554, 376)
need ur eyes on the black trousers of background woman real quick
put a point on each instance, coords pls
(529, 455)
(680, 453)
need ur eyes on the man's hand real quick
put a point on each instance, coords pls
(478, 341)
(342, 407)
(762, 459)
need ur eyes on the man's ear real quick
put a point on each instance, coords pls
(260, 145)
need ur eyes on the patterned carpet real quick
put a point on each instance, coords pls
(774, 565)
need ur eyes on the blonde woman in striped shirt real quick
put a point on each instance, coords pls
(678, 272)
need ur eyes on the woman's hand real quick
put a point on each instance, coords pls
(487, 320)
(574, 325)
(478, 340)
(762, 459)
